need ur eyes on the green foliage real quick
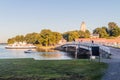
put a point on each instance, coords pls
(112, 25)
(11, 40)
(49, 38)
(112, 31)
(65, 36)
(85, 34)
(57, 37)
(46, 38)
(115, 32)
(101, 31)
(32, 38)
(81, 34)
(72, 35)
(106, 29)
(18, 38)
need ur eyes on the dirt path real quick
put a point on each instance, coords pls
(113, 71)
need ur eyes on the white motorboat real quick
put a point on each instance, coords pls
(28, 51)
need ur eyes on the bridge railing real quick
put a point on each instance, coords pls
(83, 45)
(104, 48)
(88, 45)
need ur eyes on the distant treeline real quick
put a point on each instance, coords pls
(47, 37)
(72, 35)
(113, 30)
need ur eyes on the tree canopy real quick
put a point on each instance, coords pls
(72, 35)
(112, 25)
(46, 38)
(32, 38)
(115, 32)
(111, 31)
(101, 31)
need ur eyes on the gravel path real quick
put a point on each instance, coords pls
(113, 71)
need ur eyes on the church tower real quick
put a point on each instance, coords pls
(83, 27)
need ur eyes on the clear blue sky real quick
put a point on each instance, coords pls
(25, 16)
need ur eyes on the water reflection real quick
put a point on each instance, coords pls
(51, 55)
(45, 50)
(19, 53)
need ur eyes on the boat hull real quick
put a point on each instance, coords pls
(7, 47)
(28, 51)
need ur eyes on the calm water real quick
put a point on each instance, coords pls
(19, 53)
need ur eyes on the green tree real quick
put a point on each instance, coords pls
(106, 29)
(113, 29)
(11, 40)
(102, 32)
(57, 37)
(71, 35)
(81, 34)
(46, 36)
(112, 25)
(19, 38)
(65, 35)
(32, 38)
(115, 32)
(87, 34)
(49, 38)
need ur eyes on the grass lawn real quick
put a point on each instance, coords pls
(29, 69)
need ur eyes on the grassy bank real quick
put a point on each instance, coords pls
(29, 69)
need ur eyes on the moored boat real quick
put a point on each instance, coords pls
(20, 45)
(28, 51)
